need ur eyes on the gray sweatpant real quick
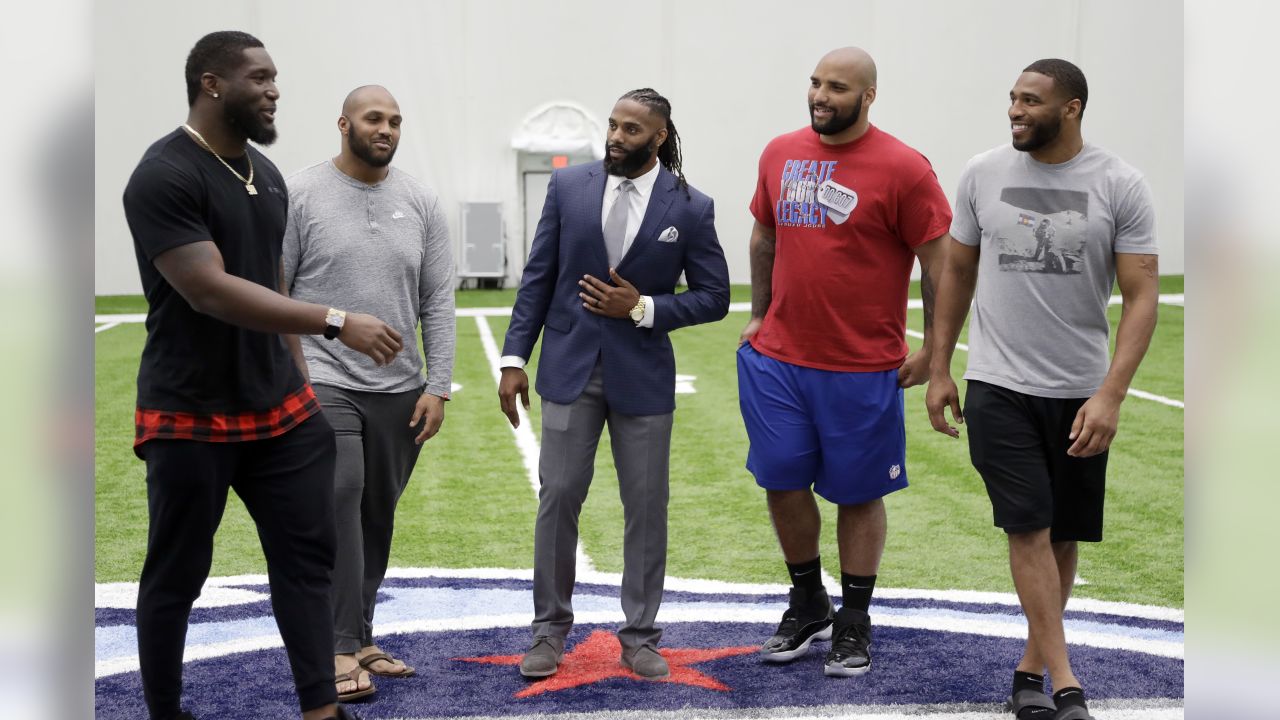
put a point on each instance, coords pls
(376, 455)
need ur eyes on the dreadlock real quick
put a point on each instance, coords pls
(669, 152)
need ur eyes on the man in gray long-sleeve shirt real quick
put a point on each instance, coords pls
(373, 235)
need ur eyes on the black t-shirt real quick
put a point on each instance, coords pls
(181, 194)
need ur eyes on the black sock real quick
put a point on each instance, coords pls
(856, 590)
(806, 575)
(1027, 681)
(1069, 696)
(1030, 681)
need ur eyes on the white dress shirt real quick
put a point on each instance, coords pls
(638, 204)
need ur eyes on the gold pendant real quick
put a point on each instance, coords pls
(249, 188)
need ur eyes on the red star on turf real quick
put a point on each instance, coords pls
(596, 659)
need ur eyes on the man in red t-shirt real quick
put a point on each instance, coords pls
(842, 211)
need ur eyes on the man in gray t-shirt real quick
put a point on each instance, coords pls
(1044, 228)
(362, 230)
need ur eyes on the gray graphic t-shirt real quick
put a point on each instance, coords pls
(1049, 235)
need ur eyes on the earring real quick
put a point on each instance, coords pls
(215, 94)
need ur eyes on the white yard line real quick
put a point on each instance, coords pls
(918, 304)
(1123, 709)
(217, 593)
(912, 304)
(131, 318)
(1157, 398)
(526, 441)
(480, 313)
(231, 591)
(1143, 394)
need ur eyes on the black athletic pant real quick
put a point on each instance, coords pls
(286, 483)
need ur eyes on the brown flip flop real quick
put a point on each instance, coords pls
(353, 676)
(367, 662)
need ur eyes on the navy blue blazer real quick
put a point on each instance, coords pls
(638, 363)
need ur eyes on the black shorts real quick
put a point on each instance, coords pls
(1018, 443)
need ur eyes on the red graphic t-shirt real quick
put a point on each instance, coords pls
(846, 219)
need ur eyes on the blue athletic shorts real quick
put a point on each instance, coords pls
(841, 433)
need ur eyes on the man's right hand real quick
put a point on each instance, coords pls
(753, 327)
(514, 382)
(369, 335)
(942, 393)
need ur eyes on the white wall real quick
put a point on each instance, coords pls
(466, 72)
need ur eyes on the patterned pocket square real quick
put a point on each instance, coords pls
(669, 235)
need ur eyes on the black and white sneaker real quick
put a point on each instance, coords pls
(808, 618)
(850, 652)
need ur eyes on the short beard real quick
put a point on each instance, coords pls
(364, 151)
(244, 119)
(630, 162)
(836, 124)
(1041, 135)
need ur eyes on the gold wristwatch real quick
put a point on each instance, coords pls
(637, 312)
(333, 322)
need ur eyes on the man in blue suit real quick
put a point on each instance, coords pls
(601, 278)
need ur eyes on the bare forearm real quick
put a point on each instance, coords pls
(928, 298)
(1133, 337)
(1139, 280)
(762, 252)
(951, 305)
(247, 304)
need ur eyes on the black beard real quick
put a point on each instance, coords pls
(1041, 134)
(630, 162)
(836, 124)
(243, 118)
(364, 150)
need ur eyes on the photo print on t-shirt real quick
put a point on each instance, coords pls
(1044, 232)
(807, 199)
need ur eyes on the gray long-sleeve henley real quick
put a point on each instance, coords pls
(380, 249)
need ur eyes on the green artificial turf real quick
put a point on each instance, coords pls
(469, 298)
(470, 503)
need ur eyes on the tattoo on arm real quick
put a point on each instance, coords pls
(927, 294)
(762, 250)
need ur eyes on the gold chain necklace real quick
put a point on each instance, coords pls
(248, 182)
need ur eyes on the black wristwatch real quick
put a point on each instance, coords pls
(334, 320)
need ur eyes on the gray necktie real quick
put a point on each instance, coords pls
(615, 226)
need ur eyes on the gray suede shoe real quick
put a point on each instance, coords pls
(646, 662)
(543, 658)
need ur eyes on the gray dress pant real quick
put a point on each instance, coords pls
(376, 455)
(641, 453)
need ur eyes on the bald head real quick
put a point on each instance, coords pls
(370, 127)
(855, 64)
(366, 95)
(841, 91)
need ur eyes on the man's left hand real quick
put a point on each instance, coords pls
(1095, 425)
(614, 300)
(914, 370)
(429, 410)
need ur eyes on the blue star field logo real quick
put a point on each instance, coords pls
(941, 654)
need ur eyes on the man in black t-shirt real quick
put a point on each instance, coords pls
(223, 400)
